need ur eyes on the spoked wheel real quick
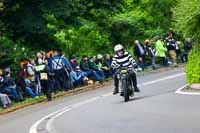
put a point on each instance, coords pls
(125, 88)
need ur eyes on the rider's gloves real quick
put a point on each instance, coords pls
(135, 65)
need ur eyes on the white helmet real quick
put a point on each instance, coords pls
(118, 47)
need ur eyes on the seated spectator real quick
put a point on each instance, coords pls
(74, 62)
(102, 65)
(139, 52)
(4, 99)
(150, 53)
(108, 60)
(78, 76)
(84, 65)
(9, 86)
(93, 66)
(24, 83)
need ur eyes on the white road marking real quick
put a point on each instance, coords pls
(51, 117)
(49, 126)
(179, 91)
(162, 79)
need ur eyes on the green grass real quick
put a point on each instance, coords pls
(24, 102)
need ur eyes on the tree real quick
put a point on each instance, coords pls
(186, 16)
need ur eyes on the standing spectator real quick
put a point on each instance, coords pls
(180, 55)
(139, 52)
(161, 51)
(57, 68)
(61, 68)
(67, 70)
(33, 77)
(49, 57)
(84, 65)
(187, 48)
(150, 52)
(171, 47)
(44, 75)
(39, 58)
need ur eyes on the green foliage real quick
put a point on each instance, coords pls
(12, 53)
(193, 66)
(141, 19)
(78, 26)
(129, 25)
(187, 18)
(187, 22)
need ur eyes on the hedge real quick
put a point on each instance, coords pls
(193, 66)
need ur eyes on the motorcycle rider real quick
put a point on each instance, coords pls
(125, 60)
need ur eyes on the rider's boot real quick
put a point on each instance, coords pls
(116, 90)
(116, 84)
(122, 93)
(136, 89)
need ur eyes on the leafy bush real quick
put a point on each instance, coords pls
(187, 22)
(186, 16)
(193, 66)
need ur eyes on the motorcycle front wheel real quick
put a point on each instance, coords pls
(125, 89)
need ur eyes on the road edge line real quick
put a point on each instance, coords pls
(179, 91)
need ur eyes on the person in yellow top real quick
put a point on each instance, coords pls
(161, 51)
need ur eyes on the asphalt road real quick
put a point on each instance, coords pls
(157, 109)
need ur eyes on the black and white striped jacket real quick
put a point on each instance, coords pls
(125, 61)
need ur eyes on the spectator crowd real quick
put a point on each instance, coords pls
(52, 72)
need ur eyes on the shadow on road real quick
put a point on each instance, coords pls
(148, 96)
